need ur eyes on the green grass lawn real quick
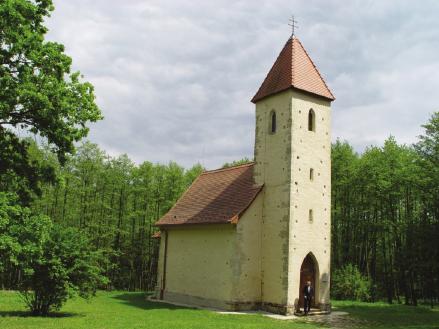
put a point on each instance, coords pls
(383, 315)
(130, 310)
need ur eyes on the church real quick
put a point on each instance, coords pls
(248, 237)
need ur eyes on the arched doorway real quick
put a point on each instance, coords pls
(308, 272)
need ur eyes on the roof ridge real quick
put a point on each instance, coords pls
(272, 66)
(292, 58)
(228, 168)
(291, 39)
(315, 67)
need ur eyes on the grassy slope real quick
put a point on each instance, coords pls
(123, 310)
(130, 310)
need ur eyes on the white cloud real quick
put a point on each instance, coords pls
(174, 79)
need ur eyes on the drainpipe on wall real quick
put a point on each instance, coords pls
(165, 257)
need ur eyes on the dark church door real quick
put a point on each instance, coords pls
(307, 273)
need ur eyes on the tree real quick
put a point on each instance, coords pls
(237, 162)
(22, 235)
(38, 91)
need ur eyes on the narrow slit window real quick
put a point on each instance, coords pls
(311, 120)
(273, 122)
(311, 217)
(311, 174)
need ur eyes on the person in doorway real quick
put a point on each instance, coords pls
(308, 293)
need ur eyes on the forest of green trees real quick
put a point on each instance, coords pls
(385, 215)
(385, 212)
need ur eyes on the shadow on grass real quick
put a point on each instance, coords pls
(27, 314)
(138, 299)
(390, 316)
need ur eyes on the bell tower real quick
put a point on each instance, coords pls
(293, 161)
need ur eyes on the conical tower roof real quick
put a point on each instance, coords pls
(293, 68)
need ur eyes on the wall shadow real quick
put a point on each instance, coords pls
(139, 300)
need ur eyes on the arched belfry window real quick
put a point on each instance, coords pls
(311, 120)
(273, 122)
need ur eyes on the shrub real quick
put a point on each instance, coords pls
(55, 262)
(66, 267)
(349, 283)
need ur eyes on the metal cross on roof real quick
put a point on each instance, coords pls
(293, 24)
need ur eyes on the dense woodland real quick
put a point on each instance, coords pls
(385, 212)
(115, 203)
(385, 215)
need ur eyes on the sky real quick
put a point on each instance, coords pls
(174, 79)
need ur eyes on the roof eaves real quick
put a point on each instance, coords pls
(194, 224)
(313, 93)
(295, 88)
(236, 218)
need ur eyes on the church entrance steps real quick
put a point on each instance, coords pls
(313, 311)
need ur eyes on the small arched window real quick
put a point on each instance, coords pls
(311, 217)
(273, 122)
(311, 120)
(311, 174)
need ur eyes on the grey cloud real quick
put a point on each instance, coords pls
(174, 79)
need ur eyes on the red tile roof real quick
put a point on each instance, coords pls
(217, 196)
(293, 68)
